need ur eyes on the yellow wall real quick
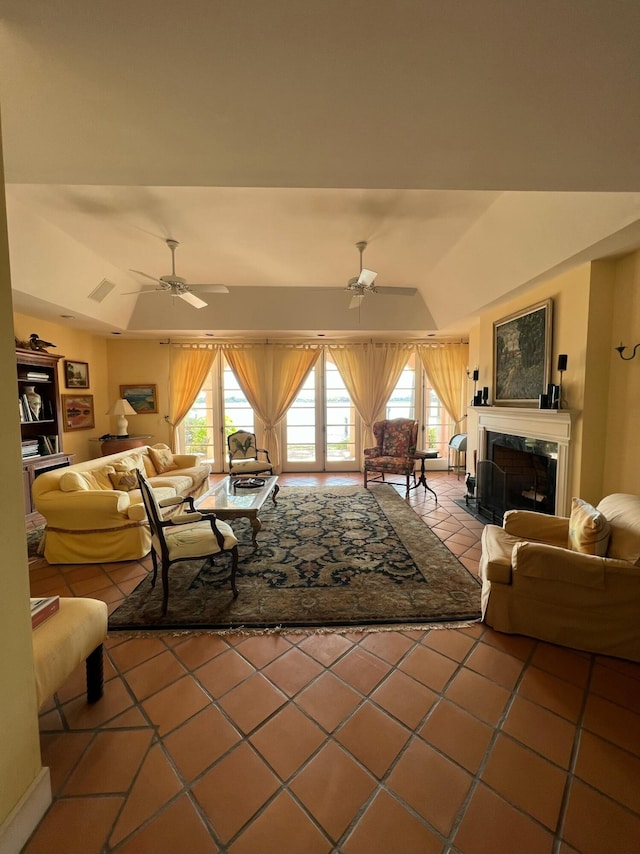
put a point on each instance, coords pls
(142, 363)
(621, 450)
(593, 306)
(19, 740)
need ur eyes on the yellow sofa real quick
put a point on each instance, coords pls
(536, 583)
(89, 520)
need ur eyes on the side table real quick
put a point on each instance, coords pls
(115, 444)
(422, 480)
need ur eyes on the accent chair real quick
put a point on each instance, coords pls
(394, 452)
(245, 457)
(185, 536)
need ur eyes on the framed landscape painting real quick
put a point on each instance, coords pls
(77, 411)
(76, 374)
(522, 355)
(143, 398)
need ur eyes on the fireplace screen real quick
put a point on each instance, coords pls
(517, 474)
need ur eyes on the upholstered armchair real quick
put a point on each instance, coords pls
(393, 454)
(245, 457)
(572, 581)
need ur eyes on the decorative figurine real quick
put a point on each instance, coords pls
(36, 343)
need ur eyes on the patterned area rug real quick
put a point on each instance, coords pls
(331, 556)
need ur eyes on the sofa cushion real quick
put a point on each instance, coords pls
(72, 481)
(124, 480)
(588, 529)
(181, 484)
(162, 459)
(622, 511)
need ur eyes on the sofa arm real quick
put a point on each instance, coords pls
(187, 461)
(85, 509)
(542, 527)
(538, 560)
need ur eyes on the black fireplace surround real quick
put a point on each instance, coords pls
(517, 473)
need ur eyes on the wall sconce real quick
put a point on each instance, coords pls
(621, 350)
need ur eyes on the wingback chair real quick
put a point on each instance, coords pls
(394, 452)
(245, 457)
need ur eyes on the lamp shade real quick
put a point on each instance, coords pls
(121, 408)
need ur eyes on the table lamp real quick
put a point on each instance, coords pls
(121, 408)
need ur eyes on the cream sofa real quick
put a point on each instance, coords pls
(89, 520)
(535, 583)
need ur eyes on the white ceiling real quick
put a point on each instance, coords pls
(478, 145)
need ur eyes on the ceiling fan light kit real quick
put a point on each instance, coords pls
(363, 283)
(176, 285)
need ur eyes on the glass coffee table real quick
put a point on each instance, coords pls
(229, 500)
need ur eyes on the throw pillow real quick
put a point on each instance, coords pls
(588, 529)
(130, 463)
(124, 480)
(162, 459)
(72, 482)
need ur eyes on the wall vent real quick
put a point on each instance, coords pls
(103, 290)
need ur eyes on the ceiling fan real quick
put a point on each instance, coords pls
(363, 284)
(176, 285)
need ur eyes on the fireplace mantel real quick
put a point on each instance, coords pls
(550, 425)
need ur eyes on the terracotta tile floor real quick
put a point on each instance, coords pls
(444, 740)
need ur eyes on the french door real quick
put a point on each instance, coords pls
(321, 430)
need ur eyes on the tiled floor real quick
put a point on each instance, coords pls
(441, 740)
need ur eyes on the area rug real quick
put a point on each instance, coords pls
(331, 556)
(34, 541)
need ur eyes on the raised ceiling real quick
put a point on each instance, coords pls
(478, 146)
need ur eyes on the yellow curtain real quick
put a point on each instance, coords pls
(445, 365)
(370, 373)
(190, 364)
(271, 375)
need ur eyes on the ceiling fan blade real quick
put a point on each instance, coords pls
(399, 292)
(211, 289)
(147, 276)
(192, 299)
(356, 300)
(142, 291)
(366, 277)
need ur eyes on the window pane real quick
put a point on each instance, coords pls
(340, 416)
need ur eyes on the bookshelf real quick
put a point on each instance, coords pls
(40, 431)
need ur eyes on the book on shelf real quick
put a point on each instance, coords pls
(37, 375)
(42, 609)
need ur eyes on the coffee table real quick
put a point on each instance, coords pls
(228, 500)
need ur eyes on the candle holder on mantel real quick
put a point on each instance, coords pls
(562, 367)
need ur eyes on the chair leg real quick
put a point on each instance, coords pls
(234, 569)
(165, 588)
(154, 560)
(365, 478)
(95, 675)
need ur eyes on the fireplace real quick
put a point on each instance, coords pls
(523, 461)
(517, 473)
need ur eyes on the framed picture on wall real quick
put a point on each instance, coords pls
(77, 411)
(76, 374)
(522, 355)
(143, 397)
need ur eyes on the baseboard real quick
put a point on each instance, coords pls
(24, 817)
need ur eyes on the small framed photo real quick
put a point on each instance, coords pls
(143, 398)
(76, 374)
(77, 411)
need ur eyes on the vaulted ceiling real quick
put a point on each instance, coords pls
(478, 146)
